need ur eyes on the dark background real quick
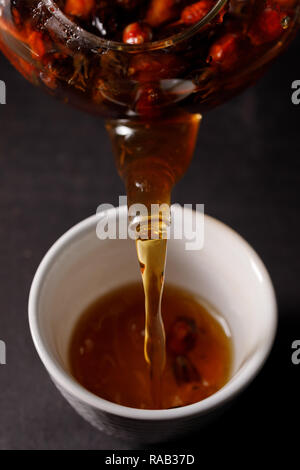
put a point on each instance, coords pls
(56, 168)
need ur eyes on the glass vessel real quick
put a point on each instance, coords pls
(151, 94)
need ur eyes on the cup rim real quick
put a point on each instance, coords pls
(73, 388)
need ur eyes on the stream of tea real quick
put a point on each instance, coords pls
(152, 259)
(151, 157)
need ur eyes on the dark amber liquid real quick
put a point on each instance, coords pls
(107, 350)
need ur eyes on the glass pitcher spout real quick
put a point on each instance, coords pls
(152, 156)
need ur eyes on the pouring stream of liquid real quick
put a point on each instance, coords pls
(151, 157)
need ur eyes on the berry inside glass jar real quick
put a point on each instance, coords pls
(124, 58)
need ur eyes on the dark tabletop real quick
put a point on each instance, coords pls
(56, 168)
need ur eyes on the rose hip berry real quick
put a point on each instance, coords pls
(137, 33)
(148, 100)
(224, 53)
(36, 44)
(195, 12)
(184, 370)
(269, 26)
(79, 8)
(182, 336)
(160, 11)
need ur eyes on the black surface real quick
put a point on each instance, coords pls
(56, 168)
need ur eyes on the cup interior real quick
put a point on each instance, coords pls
(226, 273)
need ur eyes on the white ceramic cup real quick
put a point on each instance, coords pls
(79, 268)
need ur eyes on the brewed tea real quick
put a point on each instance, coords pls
(107, 349)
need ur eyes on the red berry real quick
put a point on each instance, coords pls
(160, 11)
(224, 52)
(137, 33)
(184, 370)
(36, 44)
(268, 26)
(17, 17)
(148, 100)
(80, 8)
(182, 336)
(194, 13)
